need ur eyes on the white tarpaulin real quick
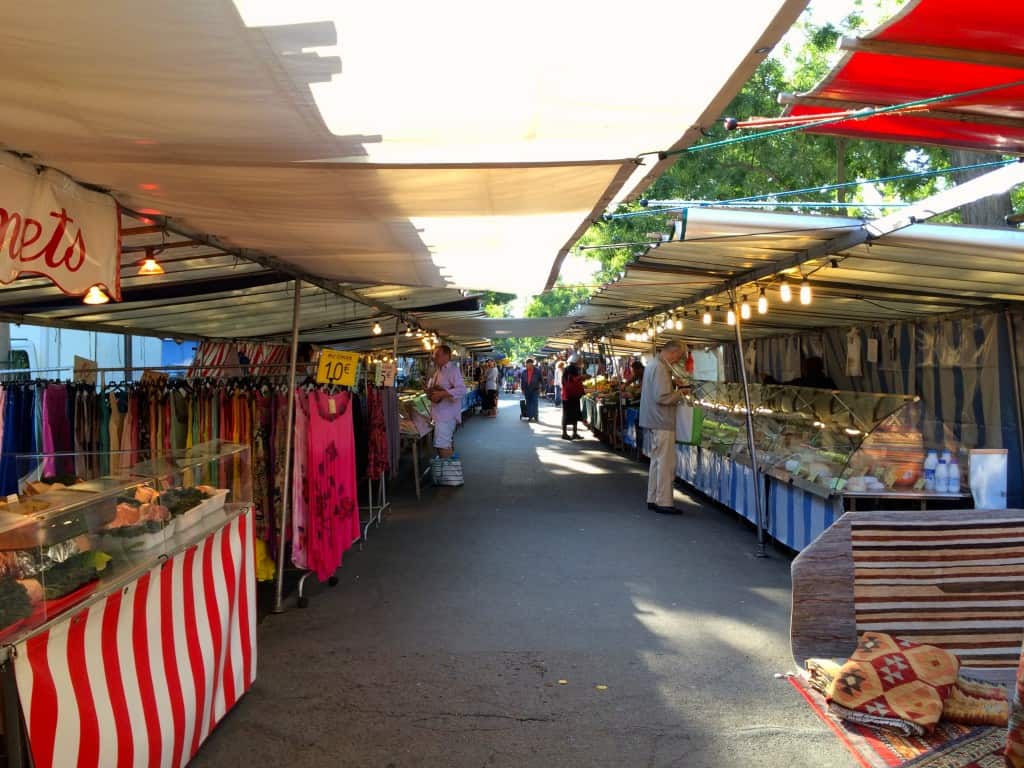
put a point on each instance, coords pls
(501, 327)
(52, 227)
(182, 102)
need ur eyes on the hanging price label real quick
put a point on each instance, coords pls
(336, 367)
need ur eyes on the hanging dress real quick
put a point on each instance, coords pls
(299, 486)
(333, 509)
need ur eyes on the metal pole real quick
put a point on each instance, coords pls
(290, 431)
(761, 551)
(394, 345)
(129, 364)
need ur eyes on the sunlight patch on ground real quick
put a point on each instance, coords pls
(551, 458)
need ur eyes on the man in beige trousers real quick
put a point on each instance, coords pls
(658, 400)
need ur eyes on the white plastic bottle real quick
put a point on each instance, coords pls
(953, 483)
(931, 461)
(942, 476)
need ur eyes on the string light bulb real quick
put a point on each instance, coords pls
(95, 295)
(762, 303)
(150, 266)
(707, 317)
(730, 317)
(785, 292)
(377, 330)
(745, 309)
(678, 323)
(408, 330)
(805, 292)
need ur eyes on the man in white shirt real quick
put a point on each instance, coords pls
(658, 400)
(491, 389)
(559, 373)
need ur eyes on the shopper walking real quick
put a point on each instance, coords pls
(572, 393)
(559, 375)
(658, 402)
(530, 381)
(491, 389)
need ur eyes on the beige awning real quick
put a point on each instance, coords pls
(503, 327)
(183, 109)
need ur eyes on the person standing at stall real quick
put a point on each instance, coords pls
(530, 381)
(658, 400)
(446, 391)
(559, 376)
(572, 394)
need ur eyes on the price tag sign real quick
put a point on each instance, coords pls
(336, 367)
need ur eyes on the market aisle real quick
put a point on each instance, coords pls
(448, 638)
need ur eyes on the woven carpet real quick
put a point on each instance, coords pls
(958, 585)
(949, 746)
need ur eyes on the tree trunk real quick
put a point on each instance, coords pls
(989, 211)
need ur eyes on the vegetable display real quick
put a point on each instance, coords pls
(15, 604)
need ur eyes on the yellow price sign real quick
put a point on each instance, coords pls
(336, 367)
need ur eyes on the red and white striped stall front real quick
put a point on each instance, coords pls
(142, 673)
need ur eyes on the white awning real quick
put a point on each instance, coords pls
(183, 109)
(502, 327)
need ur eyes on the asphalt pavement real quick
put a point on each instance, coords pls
(538, 616)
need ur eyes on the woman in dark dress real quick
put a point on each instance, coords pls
(572, 392)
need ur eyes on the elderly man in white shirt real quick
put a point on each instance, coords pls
(658, 400)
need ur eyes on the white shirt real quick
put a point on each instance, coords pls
(559, 373)
(491, 379)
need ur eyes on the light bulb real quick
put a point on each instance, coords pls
(762, 303)
(645, 336)
(805, 292)
(377, 330)
(604, 339)
(707, 318)
(730, 317)
(150, 266)
(679, 324)
(95, 295)
(408, 330)
(745, 309)
(785, 292)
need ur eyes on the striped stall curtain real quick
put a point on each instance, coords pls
(226, 359)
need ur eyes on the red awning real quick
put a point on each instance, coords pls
(933, 47)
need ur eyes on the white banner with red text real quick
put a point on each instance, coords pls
(53, 227)
(141, 677)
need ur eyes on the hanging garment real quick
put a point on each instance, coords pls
(259, 460)
(393, 425)
(333, 509)
(19, 437)
(103, 434)
(56, 431)
(299, 485)
(377, 457)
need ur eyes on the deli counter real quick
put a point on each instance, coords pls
(819, 453)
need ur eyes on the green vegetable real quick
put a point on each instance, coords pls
(14, 602)
(181, 500)
(64, 578)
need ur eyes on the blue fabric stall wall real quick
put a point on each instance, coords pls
(629, 431)
(795, 517)
(961, 367)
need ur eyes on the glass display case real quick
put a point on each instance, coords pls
(829, 442)
(82, 522)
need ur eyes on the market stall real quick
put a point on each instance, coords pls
(128, 604)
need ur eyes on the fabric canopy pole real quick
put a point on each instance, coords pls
(759, 509)
(289, 450)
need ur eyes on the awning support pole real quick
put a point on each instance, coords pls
(761, 550)
(288, 451)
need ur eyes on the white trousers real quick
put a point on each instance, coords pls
(663, 468)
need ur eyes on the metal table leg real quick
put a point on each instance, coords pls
(416, 466)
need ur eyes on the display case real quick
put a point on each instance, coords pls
(83, 523)
(828, 442)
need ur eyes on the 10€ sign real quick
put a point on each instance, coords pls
(336, 367)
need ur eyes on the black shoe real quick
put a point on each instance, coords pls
(651, 505)
(566, 437)
(577, 437)
(668, 510)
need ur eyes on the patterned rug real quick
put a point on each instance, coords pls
(949, 746)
